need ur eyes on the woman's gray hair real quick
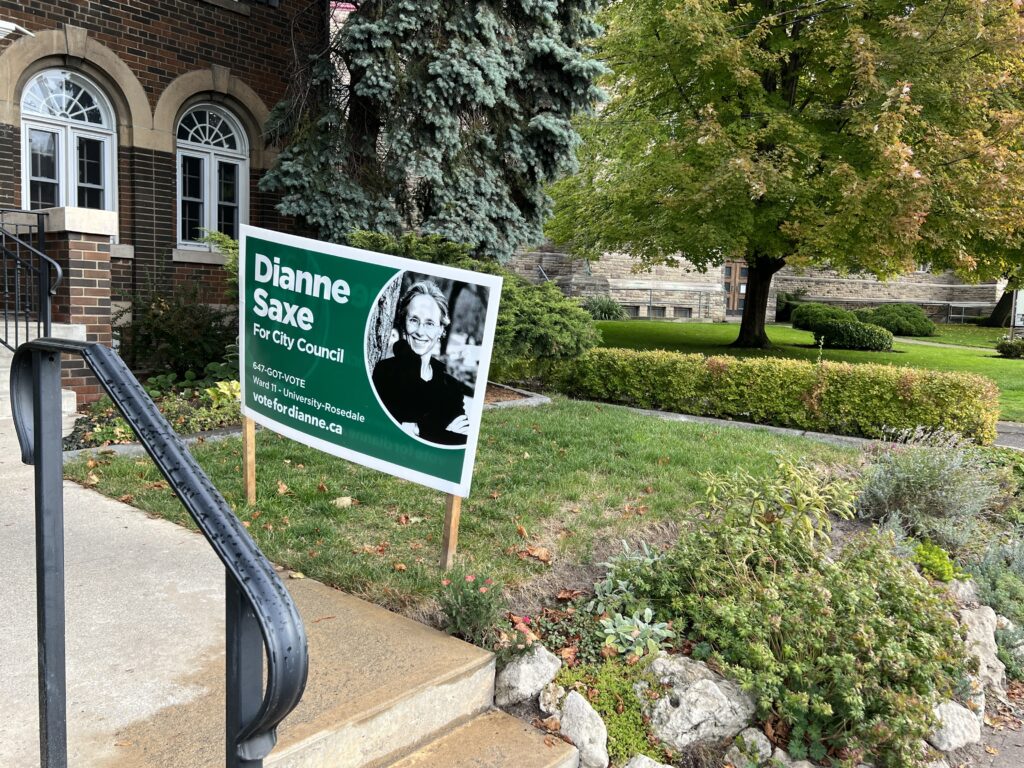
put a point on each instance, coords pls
(422, 288)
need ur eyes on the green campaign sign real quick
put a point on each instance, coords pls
(374, 358)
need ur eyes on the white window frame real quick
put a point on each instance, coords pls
(211, 156)
(68, 132)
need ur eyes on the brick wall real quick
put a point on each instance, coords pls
(162, 39)
(10, 168)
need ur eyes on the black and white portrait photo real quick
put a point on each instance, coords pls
(423, 349)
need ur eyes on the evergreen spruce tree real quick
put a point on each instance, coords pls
(444, 116)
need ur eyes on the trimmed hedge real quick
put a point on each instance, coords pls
(899, 319)
(807, 317)
(861, 400)
(1012, 349)
(842, 334)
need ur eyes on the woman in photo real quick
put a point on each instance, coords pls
(413, 385)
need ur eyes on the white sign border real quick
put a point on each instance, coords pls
(492, 282)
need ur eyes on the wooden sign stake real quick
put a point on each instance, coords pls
(450, 540)
(249, 449)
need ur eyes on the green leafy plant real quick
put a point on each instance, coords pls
(472, 607)
(228, 246)
(636, 635)
(613, 594)
(224, 392)
(935, 562)
(899, 319)
(844, 334)
(933, 485)
(604, 308)
(802, 627)
(808, 316)
(573, 628)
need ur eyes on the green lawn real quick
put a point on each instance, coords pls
(967, 335)
(575, 476)
(714, 338)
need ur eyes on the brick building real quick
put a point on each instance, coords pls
(136, 124)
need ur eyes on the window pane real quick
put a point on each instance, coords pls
(743, 287)
(42, 194)
(227, 178)
(43, 146)
(728, 287)
(192, 198)
(90, 173)
(744, 271)
(192, 178)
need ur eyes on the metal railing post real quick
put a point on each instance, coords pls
(50, 613)
(244, 694)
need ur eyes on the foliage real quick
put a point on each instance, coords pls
(176, 333)
(604, 308)
(841, 334)
(1009, 649)
(444, 117)
(537, 324)
(610, 689)
(935, 563)
(613, 594)
(899, 319)
(932, 485)
(1000, 579)
(636, 635)
(227, 246)
(808, 316)
(1012, 348)
(850, 650)
(472, 607)
(865, 136)
(832, 397)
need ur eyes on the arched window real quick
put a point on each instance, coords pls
(213, 174)
(68, 141)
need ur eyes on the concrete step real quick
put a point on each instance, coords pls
(380, 685)
(493, 740)
(69, 402)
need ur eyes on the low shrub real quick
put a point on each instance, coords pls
(604, 308)
(176, 333)
(843, 334)
(862, 400)
(808, 316)
(537, 324)
(472, 607)
(935, 562)
(761, 594)
(933, 486)
(899, 319)
(999, 576)
(1010, 348)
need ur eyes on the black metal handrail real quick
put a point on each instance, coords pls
(259, 606)
(30, 277)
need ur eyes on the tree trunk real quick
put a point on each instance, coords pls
(755, 305)
(1000, 317)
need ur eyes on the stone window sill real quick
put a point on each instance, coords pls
(84, 221)
(231, 5)
(197, 256)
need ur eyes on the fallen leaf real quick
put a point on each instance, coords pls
(568, 655)
(399, 567)
(322, 487)
(403, 520)
(550, 724)
(526, 455)
(992, 750)
(91, 479)
(649, 490)
(543, 554)
(548, 741)
(246, 523)
(126, 499)
(268, 526)
(123, 743)
(296, 575)
(414, 520)
(495, 494)
(92, 463)
(282, 489)
(568, 594)
(342, 502)
(521, 531)
(159, 485)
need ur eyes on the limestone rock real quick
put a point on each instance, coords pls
(957, 727)
(964, 592)
(585, 729)
(524, 677)
(802, 764)
(781, 757)
(981, 642)
(550, 699)
(750, 747)
(701, 706)
(643, 761)
(1004, 623)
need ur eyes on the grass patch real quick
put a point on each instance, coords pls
(575, 476)
(714, 339)
(967, 335)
